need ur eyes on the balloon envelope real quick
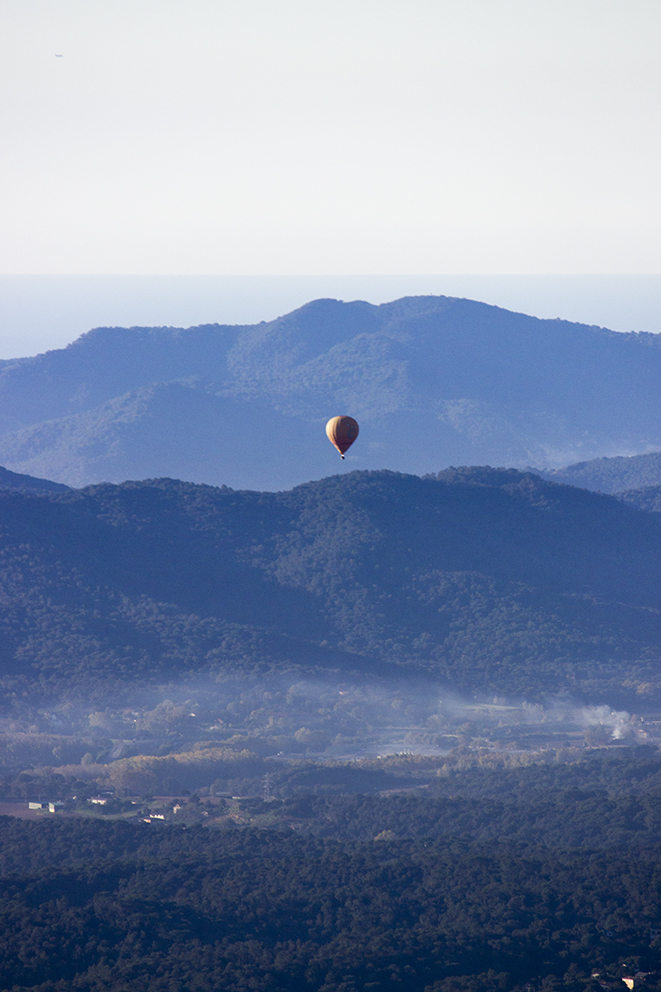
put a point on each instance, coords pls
(342, 432)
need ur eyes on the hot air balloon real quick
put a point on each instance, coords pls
(342, 432)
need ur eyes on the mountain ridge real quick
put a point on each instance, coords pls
(433, 381)
(28, 483)
(483, 581)
(610, 475)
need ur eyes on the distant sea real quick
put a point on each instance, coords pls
(38, 313)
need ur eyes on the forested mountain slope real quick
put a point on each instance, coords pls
(647, 498)
(481, 579)
(433, 381)
(28, 483)
(611, 475)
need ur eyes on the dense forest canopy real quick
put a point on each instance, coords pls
(483, 579)
(541, 878)
(505, 847)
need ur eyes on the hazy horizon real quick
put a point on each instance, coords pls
(42, 312)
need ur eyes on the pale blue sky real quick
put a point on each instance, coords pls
(330, 136)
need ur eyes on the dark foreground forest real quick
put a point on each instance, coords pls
(208, 665)
(516, 882)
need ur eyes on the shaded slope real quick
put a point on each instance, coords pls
(487, 580)
(28, 483)
(611, 475)
(203, 434)
(105, 363)
(648, 498)
(432, 380)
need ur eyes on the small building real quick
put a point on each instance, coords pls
(55, 807)
(157, 816)
(99, 800)
(35, 805)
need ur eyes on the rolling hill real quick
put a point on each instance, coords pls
(481, 580)
(433, 381)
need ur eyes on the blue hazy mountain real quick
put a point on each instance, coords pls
(433, 381)
(611, 475)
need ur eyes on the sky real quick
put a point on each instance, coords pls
(330, 137)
